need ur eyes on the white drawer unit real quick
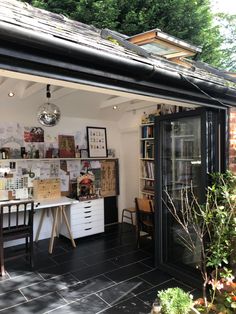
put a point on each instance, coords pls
(85, 218)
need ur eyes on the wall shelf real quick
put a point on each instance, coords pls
(55, 159)
(146, 177)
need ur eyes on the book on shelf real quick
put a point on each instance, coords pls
(149, 149)
(148, 186)
(148, 169)
(147, 131)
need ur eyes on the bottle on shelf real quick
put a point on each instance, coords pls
(144, 118)
(77, 152)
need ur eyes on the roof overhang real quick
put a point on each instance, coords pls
(30, 52)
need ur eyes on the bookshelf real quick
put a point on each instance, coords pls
(147, 160)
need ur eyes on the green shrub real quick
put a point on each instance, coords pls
(175, 301)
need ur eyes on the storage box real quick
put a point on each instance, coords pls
(47, 188)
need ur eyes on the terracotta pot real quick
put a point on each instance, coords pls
(156, 308)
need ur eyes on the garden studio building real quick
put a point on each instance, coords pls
(92, 72)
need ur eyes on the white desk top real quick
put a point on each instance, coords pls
(39, 204)
(54, 202)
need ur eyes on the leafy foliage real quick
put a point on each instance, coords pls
(227, 25)
(209, 228)
(190, 20)
(175, 301)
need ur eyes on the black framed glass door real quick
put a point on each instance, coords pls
(186, 151)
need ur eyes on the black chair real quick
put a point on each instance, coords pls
(16, 222)
(145, 218)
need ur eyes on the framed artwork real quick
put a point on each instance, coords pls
(66, 145)
(109, 178)
(97, 142)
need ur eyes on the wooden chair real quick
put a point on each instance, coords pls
(16, 222)
(145, 218)
(128, 214)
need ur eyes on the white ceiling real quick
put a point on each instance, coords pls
(74, 100)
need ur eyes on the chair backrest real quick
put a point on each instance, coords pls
(16, 216)
(144, 205)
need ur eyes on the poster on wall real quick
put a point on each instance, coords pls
(97, 142)
(109, 178)
(66, 145)
(33, 134)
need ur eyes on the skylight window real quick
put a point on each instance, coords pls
(162, 44)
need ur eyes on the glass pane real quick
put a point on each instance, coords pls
(181, 160)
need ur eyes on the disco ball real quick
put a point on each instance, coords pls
(48, 114)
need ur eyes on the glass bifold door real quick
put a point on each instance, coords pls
(187, 148)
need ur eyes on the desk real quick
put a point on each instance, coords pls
(57, 208)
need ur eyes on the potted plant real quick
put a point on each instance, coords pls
(174, 301)
(210, 229)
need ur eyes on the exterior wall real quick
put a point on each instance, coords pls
(232, 140)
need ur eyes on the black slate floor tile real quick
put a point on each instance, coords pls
(155, 277)
(61, 269)
(89, 305)
(149, 262)
(127, 272)
(21, 266)
(85, 288)
(40, 248)
(131, 306)
(17, 267)
(100, 245)
(94, 270)
(10, 299)
(37, 306)
(127, 248)
(51, 285)
(100, 257)
(130, 258)
(104, 273)
(72, 254)
(19, 282)
(123, 290)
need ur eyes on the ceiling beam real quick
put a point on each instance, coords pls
(62, 92)
(32, 89)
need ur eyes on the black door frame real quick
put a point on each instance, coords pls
(217, 132)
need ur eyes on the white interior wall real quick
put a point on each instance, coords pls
(130, 152)
(123, 136)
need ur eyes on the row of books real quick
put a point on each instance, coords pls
(148, 169)
(148, 187)
(147, 131)
(148, 149)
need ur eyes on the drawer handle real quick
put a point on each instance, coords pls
(88, 222)
(88, 211)
(88, 229)
(87, 216)
(87, 206)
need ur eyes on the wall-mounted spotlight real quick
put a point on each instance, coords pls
(11, 94)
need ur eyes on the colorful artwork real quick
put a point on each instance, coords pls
(33, 134)
(66, 146)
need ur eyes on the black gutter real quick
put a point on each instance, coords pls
(109, 66)
(81, 75)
